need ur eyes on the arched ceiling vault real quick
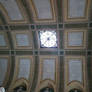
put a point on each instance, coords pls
(42, 41)
(30, 12)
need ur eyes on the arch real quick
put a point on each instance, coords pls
(75, 85)
(21, 82)
(47, 84)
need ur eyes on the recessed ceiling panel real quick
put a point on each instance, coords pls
(22, 39)
(12, 9)
(3, 69)
(43, 8)
(75, 39)
(75, 73)
(75, 70)
(48, 69)
(76, 8)
(24, 68)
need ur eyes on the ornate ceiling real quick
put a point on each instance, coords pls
(44, 11)
(46, 44)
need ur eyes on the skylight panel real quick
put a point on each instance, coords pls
(48, 39)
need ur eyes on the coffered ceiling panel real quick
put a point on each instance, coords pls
(48, 72)
(75, 39)
(24, 68)
(4, 69)
(43, 10)
(75, 74)
(48, 69)
(4, 44)
(23, 72)
(13, 11)
(76, 10)
(75, 70)
(22, 39)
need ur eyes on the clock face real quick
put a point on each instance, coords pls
(48, 39)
